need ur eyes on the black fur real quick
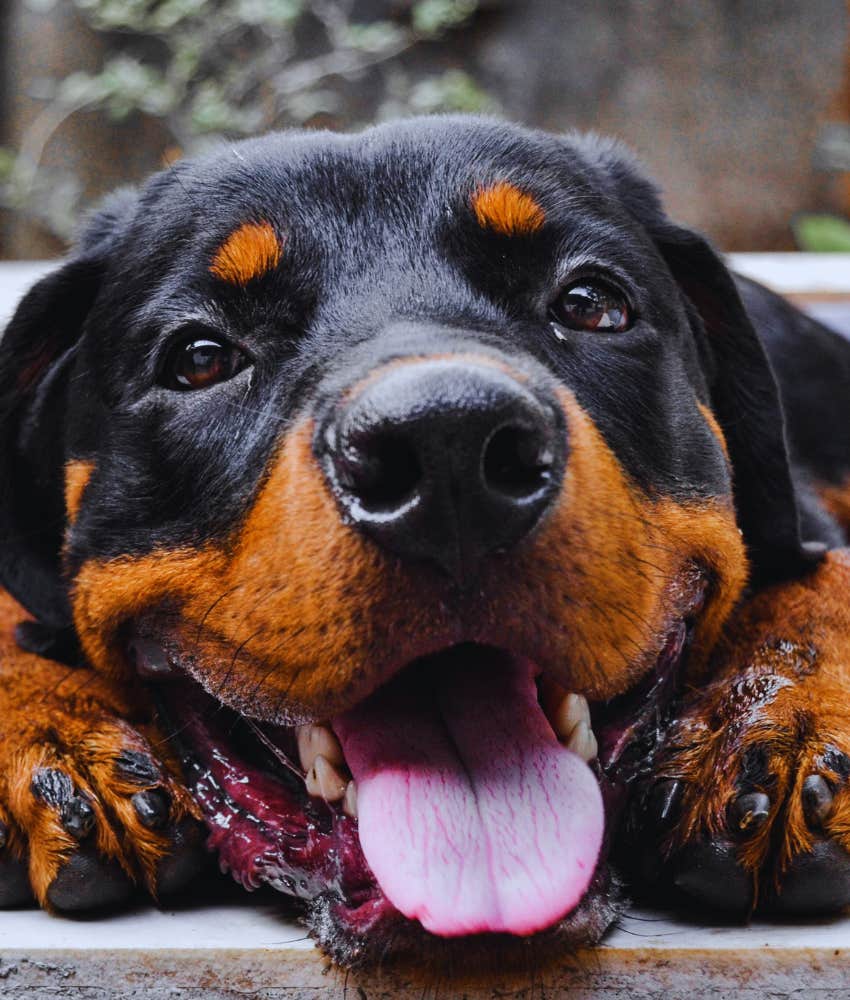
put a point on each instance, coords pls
(378, 230)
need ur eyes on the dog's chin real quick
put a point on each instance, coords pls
(360, 867)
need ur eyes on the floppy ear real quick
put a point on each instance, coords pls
(37, 353)
(746, 401)
(744, 392)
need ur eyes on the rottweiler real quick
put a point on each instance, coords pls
(426, 526)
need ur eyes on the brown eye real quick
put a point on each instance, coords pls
(592, 305)
(202, 362)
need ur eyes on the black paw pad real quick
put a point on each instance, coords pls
(709, 872)
(88, 882)
(186, 860)
(152, 807)
(748, 813)
(14, 883)
(818, 882)
(817, 800)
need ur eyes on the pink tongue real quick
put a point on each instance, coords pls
(472, 816)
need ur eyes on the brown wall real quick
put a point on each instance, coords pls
(723, 99)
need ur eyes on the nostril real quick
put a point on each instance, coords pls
(383, 472)
(517, 462)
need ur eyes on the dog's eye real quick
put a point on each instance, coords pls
(592, 305)
(201, 362)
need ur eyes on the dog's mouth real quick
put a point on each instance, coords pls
(470, 795)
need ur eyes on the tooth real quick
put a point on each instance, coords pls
(583, 742)
(349, 803)
(325, 781)
(314, 741)
(572, 711)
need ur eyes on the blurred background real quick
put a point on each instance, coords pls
(740, 109)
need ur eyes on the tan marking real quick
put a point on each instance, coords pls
(836, 499)
(77, 475)
(709, 417)
(249, 252)
(506, 209)
(321, 616)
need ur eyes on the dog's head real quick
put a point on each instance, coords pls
(426, 435)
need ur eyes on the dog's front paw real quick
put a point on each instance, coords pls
(88, 808)
(749, 802)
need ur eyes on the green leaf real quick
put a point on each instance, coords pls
(822, 233)
(7, 163)
(170, 13)
(268, 13)
(131, 85)
(82, 88)
(377, 37)
(433, 17)
(453, 91)
(212, 113)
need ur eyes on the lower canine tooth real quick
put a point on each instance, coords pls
(349, 802)
(571, 712)
(324, 781)
(582, 742)
(315, 741)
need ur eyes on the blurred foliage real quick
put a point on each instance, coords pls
(210, 70)
(822, 233)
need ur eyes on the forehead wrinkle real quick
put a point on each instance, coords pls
(249, 252)
(591, 238)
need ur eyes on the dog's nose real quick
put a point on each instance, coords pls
(445, 461)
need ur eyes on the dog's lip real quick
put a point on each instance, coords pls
(359, 901)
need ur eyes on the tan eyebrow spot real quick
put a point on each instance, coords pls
(506, 209)
(249, 252)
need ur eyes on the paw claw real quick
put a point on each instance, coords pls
(78, 817)
(137, 767)
(748, 813)
(152, 807)
(817, 799)
(52, 786)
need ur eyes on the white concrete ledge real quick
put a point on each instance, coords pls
(796, 273)
(247, 949)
